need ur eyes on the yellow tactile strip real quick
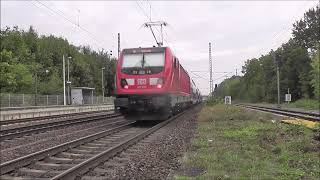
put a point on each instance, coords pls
(302, 122)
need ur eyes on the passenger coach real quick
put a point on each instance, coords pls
(151, 84)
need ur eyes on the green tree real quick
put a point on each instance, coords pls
(7, 78)
(306, 31)
(26, 55)
(295, 70)
(316, 73)
(259, 80)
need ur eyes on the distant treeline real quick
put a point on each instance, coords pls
(299, 67)
(28, 59)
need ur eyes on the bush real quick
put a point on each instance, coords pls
(214, 101)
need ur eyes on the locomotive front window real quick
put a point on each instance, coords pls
(132, 60)
(154, 59)
(143, 63)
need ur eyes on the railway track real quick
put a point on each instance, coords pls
(43, 118)
(297, 114)
(12, 133)
(71, 160)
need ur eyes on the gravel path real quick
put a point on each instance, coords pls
(13, 149)
(154, 157)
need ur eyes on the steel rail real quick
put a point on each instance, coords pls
(21, 131)
(72, 119)
(291, 113)
(28, 159)
(43, 118)
(287, 110)
(94, 161)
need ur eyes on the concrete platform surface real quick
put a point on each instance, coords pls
(48, 111)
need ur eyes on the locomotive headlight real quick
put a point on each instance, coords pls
(160, 83)
(124, 84)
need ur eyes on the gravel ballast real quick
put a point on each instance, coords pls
(29, 144)
(155, 156)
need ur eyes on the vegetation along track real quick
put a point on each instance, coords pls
(26, 130)
(43, 118)
(73, 159)
(298, 114)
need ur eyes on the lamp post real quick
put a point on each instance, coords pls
(102, 83)
(64, 80)
(68, 81)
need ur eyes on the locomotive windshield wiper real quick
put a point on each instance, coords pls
(143, 61)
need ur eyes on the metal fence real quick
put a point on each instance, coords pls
(21, 100)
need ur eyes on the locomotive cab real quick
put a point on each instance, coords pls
(151, 84)
(141, 82)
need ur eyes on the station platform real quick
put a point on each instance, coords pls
(39, 111)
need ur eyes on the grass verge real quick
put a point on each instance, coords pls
(300, 105)
(307, 104)
(233, 143)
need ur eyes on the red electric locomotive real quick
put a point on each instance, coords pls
(151, 84)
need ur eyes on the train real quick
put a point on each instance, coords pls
(151, 84)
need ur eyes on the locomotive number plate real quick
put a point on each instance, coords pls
(141, 81)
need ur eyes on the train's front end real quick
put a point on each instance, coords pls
(141, 83)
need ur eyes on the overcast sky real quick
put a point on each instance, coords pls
(238, 30)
